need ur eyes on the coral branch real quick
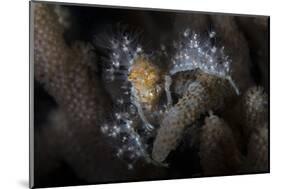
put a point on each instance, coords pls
(65, 74)
(218, 151)
(256, 128)
(207, 92)
(63, 70)
(257, 157)
(256, 109)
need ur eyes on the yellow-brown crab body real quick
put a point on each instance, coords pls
(146, 79)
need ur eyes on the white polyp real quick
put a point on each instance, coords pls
(212, 34)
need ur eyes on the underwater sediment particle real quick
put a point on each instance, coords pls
(205, 93)
(218, 151)
(256, 109)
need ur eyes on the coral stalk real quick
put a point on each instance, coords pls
(202, 95)
(63, 70)
(219, 154)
